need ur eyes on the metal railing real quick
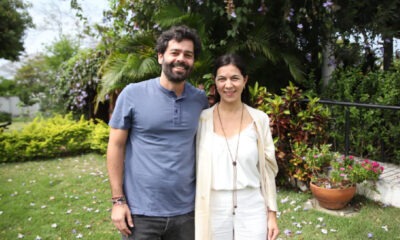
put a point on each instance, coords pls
(347, 122)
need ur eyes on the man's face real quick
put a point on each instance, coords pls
(177, 60)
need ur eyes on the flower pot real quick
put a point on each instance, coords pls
(332, 198)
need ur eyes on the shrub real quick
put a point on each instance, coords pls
(53, 137)
(99, 137)
(5, 117)
(373, 132)
(292, 122)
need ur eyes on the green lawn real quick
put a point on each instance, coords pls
(69, 199)
(17, 124)
(370, 221)
(58, 199)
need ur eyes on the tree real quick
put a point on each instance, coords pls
(14, 20)
(36, 78)
(77, 84)
(60, 51)
(259, 41)
(370, 19)
(282, 41)
(31, 80)
(7, 87)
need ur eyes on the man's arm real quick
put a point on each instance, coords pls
(121, 215)
(115, 159)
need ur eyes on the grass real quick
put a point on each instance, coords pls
(58, 199)
(18, 124)
(371, 219)
(68, 198)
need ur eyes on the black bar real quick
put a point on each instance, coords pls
(352, 104)
(347, 117)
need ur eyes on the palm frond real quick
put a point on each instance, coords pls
(294, 66)
(169, 16)
(261, 42)
(132, 60)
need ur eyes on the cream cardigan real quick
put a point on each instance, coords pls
(267, 166)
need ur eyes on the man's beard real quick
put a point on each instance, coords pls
(174, 76)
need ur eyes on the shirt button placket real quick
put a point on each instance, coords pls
(176, 113)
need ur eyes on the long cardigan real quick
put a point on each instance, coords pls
(267, 167)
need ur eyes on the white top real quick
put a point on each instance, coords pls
(247, 170)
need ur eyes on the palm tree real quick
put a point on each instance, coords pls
(252, 34)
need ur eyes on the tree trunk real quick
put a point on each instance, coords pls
(387, 52)
(327, 64)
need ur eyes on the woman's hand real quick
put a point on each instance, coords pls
(273, 230)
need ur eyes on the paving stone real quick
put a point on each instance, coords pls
(348, 211)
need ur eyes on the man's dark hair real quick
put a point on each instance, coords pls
(179, 33)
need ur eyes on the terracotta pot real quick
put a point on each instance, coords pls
(332, 198)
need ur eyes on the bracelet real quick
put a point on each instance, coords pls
(117, 197)
(118, 200)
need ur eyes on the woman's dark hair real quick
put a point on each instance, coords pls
(237, 61)
(179, 33)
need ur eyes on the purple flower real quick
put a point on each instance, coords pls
(308, 57)
(370, 235)
(262, 9)
(287, 232)
(327, 4)
(300, 26)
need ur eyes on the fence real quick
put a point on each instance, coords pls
(348, 124)
(12, 105)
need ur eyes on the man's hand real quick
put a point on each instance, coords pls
(121, 217)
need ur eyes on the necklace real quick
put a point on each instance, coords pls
(234, 160)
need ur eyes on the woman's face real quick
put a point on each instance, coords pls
(230, 83)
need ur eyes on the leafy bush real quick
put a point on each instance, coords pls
(374, 132)
(77, 82)
(5, 117)
(292, 122)
(99, 137)
(53, 137)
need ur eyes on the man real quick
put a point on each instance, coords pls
(151, 149)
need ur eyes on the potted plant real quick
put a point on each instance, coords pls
(334, 177)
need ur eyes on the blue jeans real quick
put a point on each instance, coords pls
(162, 228)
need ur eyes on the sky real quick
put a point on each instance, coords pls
(52, 18)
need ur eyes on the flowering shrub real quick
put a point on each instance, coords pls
(330, 170)
(348, 171)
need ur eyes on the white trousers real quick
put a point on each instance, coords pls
(249, 221)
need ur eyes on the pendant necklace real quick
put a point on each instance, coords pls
(234, 160)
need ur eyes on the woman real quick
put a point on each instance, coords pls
(236, 166)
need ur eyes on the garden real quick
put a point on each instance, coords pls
(53, 179)
(68, 198)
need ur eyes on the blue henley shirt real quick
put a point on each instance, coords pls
(159, 173)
